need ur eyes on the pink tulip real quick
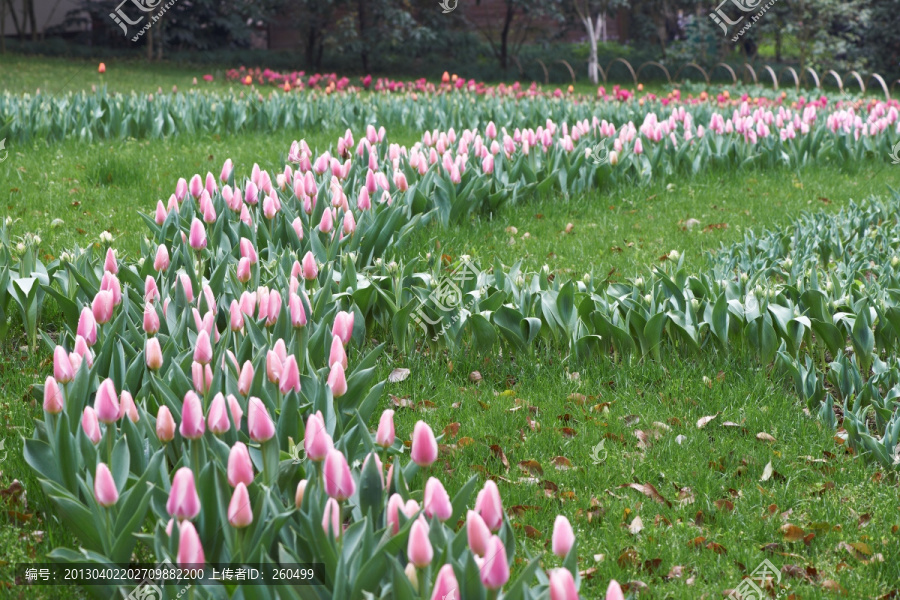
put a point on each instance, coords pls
(53, 399)
(240, 467)
(227, 168)
(343, 326)
(106, 403)
(183, 502)
(127, 407)
(337, 354)
(187, 286)
(190, 550)
(424, 449)
(110, 265)
(326, 224)
(289, 381)
(437, 501)
(301, 491)
(240, 514)
(298, 314)
(269, 210)
(153, 354)
(234, 407)
(297, 226)
(217, 416)
(331, 519)
(192, 423)
(614, 591)
(259, 423)
(395, 505)
(418, 548)
(202, 376)
(337, 380)
(562, 585)
(110, 283)
(244, 270)
(103, 306)
(385, 435)
(161, 262)
(151, 320)
(339, 482)
(198, 235)
(195, 187)
(161, 213)
(563, 536)
(638, 146)
(82, 351)
(87, 326)
(203, 352)
(310, 268)
(236, 321)
(90, 425)
(363, 202)
(165, 425)
(489, 506)
(495, 570)
(105, 492)
(181, 189)
(477, 533)
(274, 366)
(274, 308)
(251, 194)
(445, 585)
(349, 223)
(245, 380)
(411, 508)
(62, 366)
(316, 440)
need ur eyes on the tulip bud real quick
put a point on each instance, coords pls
(183, 502)
(234, 407)
(102, 306)
(437, 501)
(339, 482)
(562, 585)
(385, 435)
(259, 423)
(337, 354)
(343, 326)
(316, 440)
(106, 403)
(190, 550)
(614, 591)
(53, 399)
(310, 269)
(563, 536)
(165, 425)
(127, 407)
(477, 533)
(90, 425)
(62, 366)
(331, 519)
(489, 505)
(418, 548)
(197, 239)
(412, 575)
(192, 422)
(337, 380)
(245, 380)
(495, 569)
(217, 416)
(105, 492)
(240, 467)
(290, 376)
(240, 514)
(424, 449)
(87, 326)
(298, 495)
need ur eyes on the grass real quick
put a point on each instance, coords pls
(534, 407)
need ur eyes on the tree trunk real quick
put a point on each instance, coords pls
(778, 45)
(12, 13)
(504, 35)
(311, 47)
(364, 50)
(592, 48)
(31, 16)
(150, 45)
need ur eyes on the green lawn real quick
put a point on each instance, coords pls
(534, 422)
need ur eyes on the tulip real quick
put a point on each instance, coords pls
(563, 536)
(203, 352)
(244, 270)
(411, 508)
(192, 423)
(445, 585)
(424, 449)
(105, 492)
(316, 440)
(259, 423)
(349, 224)
(110, 265)
(337, 354)
(87, 326)
(102, 306)
(110, 283)
(62, 366)
(240, 514)
(53, 399)
(310, 269)
(363, 202)
(151, 291)
(127, 407)
(181, 189)
(165, 425)
(82, 351)
(337, 380)
(161, 213)
(394, 506)
(274, 366)
(298, 313)
(234, 407)
(339, 482)
(343, 326)
(411, 575)
(195, 187)
(437, 501)
(638, 146)
(495, 570)
(489, 506)
(245, 380)
(331, 519)
(274, 308)
(151, 320)
(187, 286)
(106, 403)
(477, 533)
(240, 467)
(198, 235)
(90, 425)
(190, 550)
(290, 376)
(614, 591)
(385, 435)
(202, 376)
(301, 491)
(487, 164)
(217, 416)
(183, 502)
(153, 354)
(419, 549)
(562, 585)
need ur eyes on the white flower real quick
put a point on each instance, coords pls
(670, 187)
(106, 237)
(674, 254)
(648, 298)
(639, 282)
(20, 247)
(895, 260)
(586, 278)
(65, 257)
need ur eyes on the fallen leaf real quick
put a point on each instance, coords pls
(792, 533)
(636, 526)
(474, 376)
(532, 467)
(562, 463)
(703, 422)
(451, 430)
(767, 472)
(765, 437)
(648, 490)
(398, 375)
(498, 452)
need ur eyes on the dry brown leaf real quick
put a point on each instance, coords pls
(704, 421)
(474, 376)
(531, 467)
(561, 462)
(498, 452)
(648, 490)
(765, 437)
(792, 533)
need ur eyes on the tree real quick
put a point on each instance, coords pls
(595, 28)
(520, 21)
